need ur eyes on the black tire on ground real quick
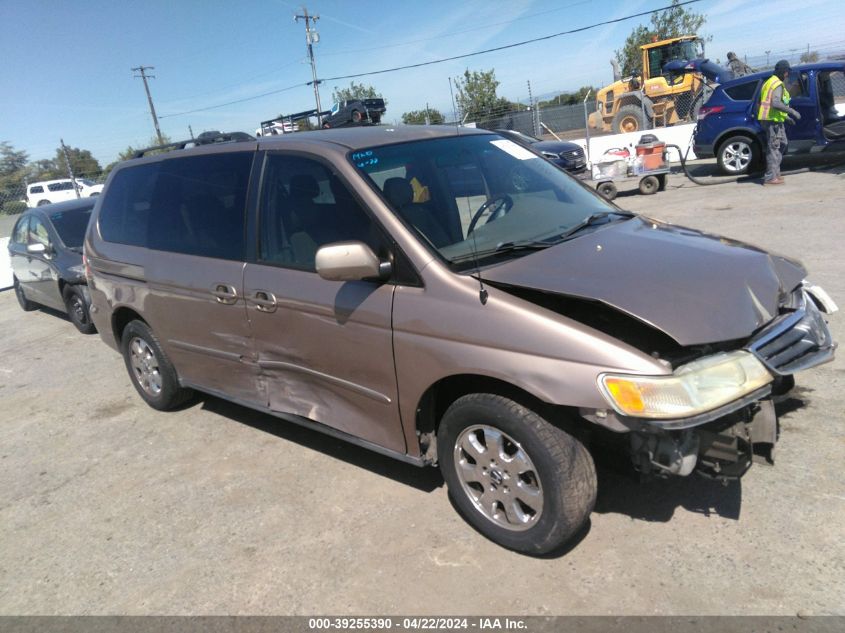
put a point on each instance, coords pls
(737, 155)
(558, 469)
(25, 304)
(607, 190)
(326, 126)
(41, 203)
(356, 116)
(78, 310)
(149, 366)
(649, 185)
(629, 118)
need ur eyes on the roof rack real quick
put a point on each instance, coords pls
(206, 138)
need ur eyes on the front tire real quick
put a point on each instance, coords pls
(629, 118)
(737, 155)
(150, 370)
(523, 483)
(78, 310)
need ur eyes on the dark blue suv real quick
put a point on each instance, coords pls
(729, 130)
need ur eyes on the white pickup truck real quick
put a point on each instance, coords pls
(47, 191)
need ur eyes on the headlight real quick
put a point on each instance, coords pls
(551, 155)
(694, 388)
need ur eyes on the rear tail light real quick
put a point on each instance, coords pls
(708, 110)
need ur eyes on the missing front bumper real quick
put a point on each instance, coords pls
(723, 449)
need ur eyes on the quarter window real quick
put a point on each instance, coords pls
(742, 92)
(19, 234)
(305, 206)
(36, 189)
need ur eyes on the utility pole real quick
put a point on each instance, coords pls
(69, 168)
(191, 130)
(767, 57)
(142, 70)
(311, 38)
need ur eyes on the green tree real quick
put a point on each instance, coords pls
(476, 96)
(568, 98)
(809, 57)
(13, 172)
(417, 117)
(81, 161)
(673, 22)
(354, 91)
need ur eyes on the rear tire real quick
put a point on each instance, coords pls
(356, 116)
(41, 203)
(738, 155)
(78, 310)
(150, 370)
(25, 304)
(523, 483)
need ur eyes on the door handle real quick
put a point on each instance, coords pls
(264, 301)
(224, 293)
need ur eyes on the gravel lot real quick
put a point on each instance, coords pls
(109, 507)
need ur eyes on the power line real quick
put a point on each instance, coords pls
(453, 33)
(440, 61)
(514, 45)
(221, 105)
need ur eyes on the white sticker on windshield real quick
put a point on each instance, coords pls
(515, 150)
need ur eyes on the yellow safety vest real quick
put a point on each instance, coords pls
(766, 112)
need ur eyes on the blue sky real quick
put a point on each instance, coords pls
(65, 68)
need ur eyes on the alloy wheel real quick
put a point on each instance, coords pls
(736, 156)
(498, 476)
(145, 366)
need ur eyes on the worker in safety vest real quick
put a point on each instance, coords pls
(773, 112)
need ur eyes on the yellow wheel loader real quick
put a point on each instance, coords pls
(654, 97)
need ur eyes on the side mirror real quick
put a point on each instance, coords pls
(350, 261)
(37, 249)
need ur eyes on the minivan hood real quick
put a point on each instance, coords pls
(695, 287)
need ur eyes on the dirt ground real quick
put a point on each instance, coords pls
(109, 507)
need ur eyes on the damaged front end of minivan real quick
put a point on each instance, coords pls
(713, 411)
(716, 415)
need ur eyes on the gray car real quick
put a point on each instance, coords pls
(394, 288)
(46, 254)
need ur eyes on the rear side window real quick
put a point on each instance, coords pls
(193, 205)
(742, 92)
(36, 189)
(60, 186)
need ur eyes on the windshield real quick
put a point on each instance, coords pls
(478, 193)
(683, 51)
(71, 225)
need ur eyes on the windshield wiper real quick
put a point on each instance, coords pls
(506, 247)
(590, 220)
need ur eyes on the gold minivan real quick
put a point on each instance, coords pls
(448, 297)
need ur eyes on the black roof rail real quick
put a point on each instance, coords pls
(206, 138)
